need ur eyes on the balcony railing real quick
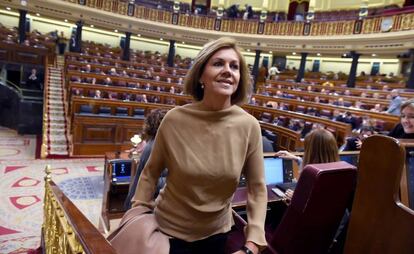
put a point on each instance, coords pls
(371, 25)
(65, 229)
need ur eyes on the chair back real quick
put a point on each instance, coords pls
(379, 222)
(316, 209)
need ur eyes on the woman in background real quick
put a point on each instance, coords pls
(320, 147)
(405, 129)
(206, 146)
(150, 128)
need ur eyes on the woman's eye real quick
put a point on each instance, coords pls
(217, 64)
(234, 66)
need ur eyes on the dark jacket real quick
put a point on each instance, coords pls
(142, 161)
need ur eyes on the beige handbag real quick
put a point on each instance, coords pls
(138, 233)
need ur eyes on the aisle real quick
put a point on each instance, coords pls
(22, 185)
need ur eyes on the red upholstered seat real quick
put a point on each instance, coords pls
(315, 212)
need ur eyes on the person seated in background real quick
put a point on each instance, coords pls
(172, 90)
(405, 128)
(272, 104)
(112, 72)
(180, 81)
(33, 81)
(9, 40)
(113, 96)
(339, 102)
(157, 78)
(107, 81)
(354, 143)
(395, 104)
(320, 147)
(150, 128)
(126, 97)
(124, 74)
(147, 86)
(26, 43)
(168, 80)
(377, 108)
(87, 68)
(98, 94)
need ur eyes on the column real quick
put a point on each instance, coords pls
(22, 26)
(256, 67)
(125, 53)
(171, 54)
(410, 82)
(301, 71)
(352, 73)
(78, 36)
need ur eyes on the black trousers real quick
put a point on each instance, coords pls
(214, 244)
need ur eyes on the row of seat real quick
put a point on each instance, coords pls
(88, 110)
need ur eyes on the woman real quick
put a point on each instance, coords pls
(151, 124)
(320, 147)
(405, 129)
(206, 146)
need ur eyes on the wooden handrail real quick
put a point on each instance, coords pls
(65, 229)
(390, 120)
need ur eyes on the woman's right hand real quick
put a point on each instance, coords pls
(286, 155)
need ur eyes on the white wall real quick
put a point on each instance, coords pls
(45, 26)
(9, 19)
(344, 64)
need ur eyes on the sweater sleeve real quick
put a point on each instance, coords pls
(256, 190)
(148, 180)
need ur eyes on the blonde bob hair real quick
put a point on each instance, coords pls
(320, 147)
(192, 84)
(408, 103)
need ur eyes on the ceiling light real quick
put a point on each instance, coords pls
(344, 54)
(294, 53)
(116, 30)
(92, 25)
(8, 8)
(318, 54)
(374, 54)
(183, 42)
(248, 50)
(270, 52)
(37, 14)
(138, 35)
(66, 20)
(161, 39)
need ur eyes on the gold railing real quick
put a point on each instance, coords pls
(402, 21)
(65, 229)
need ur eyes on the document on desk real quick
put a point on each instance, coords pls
(279, 192)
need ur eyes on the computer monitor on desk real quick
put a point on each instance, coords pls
(120, 171)
(278, 170)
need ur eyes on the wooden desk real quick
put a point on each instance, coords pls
(240, 197)
(114, 195)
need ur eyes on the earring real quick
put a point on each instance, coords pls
(202, 85)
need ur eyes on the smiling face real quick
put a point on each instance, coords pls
(407, 119)
(221, 75)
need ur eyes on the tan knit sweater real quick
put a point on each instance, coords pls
(205, 153)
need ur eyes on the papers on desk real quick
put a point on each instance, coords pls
(279, 192)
